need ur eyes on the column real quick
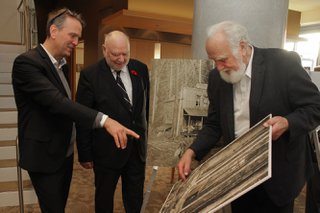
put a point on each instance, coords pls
(265, 20)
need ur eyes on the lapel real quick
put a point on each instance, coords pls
(226, 108)
(51, 68)
(257, 78)
(135, 79)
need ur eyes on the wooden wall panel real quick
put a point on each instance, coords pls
(174, 50)
(142, 50)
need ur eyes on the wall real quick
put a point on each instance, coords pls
(179, 8)
(143, 50)
(9, 21)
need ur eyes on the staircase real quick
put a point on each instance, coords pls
(9, 195)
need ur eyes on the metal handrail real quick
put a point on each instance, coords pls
(26, 23)
(20, 4)
(20, 181)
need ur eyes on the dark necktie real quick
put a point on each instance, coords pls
(123, 89)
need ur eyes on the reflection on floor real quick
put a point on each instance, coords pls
(82, 193)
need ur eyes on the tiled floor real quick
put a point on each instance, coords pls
(82, 193)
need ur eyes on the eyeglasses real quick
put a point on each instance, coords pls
(67, 11)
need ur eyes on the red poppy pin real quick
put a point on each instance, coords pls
(133, 72)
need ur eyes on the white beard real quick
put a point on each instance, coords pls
(233, 76)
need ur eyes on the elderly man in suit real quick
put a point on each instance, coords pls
(247, 84)
(119, 87)
(46, 113)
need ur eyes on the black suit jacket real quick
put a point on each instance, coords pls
(45, 114)
(280, 86)
(97, 89)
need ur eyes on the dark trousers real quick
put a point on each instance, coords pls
(313, 192)
(52, 189)
(258, 201)
(132, 179)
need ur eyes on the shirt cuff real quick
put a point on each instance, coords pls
(100, 120)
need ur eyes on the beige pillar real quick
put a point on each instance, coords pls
(265, 21)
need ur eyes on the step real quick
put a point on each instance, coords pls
(6, 66)
(8, 57)
(5, 77)
(7, 143)
(8, 163)
(4, 126)
(8, 134)
(6, 89)
(12, 198)
(12, 48)
(7, 102)
(7, 152)
(9, 117)
(7, 109)
(12, 186)
(10, 174)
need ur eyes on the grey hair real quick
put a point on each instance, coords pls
(58, 17)
(234, 32)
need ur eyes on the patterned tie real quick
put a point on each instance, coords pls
(123, 89)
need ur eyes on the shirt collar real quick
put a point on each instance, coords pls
(57, 64)
(124, 70)
(249, 67)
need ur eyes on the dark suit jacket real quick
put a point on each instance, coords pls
(45, 114)
(279, 85)
(97, 89)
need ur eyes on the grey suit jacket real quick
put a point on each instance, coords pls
(279, 86)
(45, 114)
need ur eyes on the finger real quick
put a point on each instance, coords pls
(85, 165)
(266, 124)
(132, 133)
(123, 140)
(186, 170)
(116, 140)
(181, 172)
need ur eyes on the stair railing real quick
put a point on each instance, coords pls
(28, 24)
(28, 29)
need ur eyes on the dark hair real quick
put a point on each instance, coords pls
(57, 17)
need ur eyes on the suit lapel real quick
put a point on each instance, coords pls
(226, 108)
(135, 83)
(257, 77)
(53, 70)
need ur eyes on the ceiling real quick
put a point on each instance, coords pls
(310, 9)
(304, 5)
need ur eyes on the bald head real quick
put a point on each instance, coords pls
(116, 38)
(116, 49)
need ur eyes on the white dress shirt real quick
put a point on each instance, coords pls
(125, 77)
(241, 98)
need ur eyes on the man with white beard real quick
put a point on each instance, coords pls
(247, 84)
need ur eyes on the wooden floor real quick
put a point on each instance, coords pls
(82, 193)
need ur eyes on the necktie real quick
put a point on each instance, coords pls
(123, 89)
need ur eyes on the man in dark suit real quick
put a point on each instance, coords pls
(127, 102)
(247, 84)
(46, 113)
